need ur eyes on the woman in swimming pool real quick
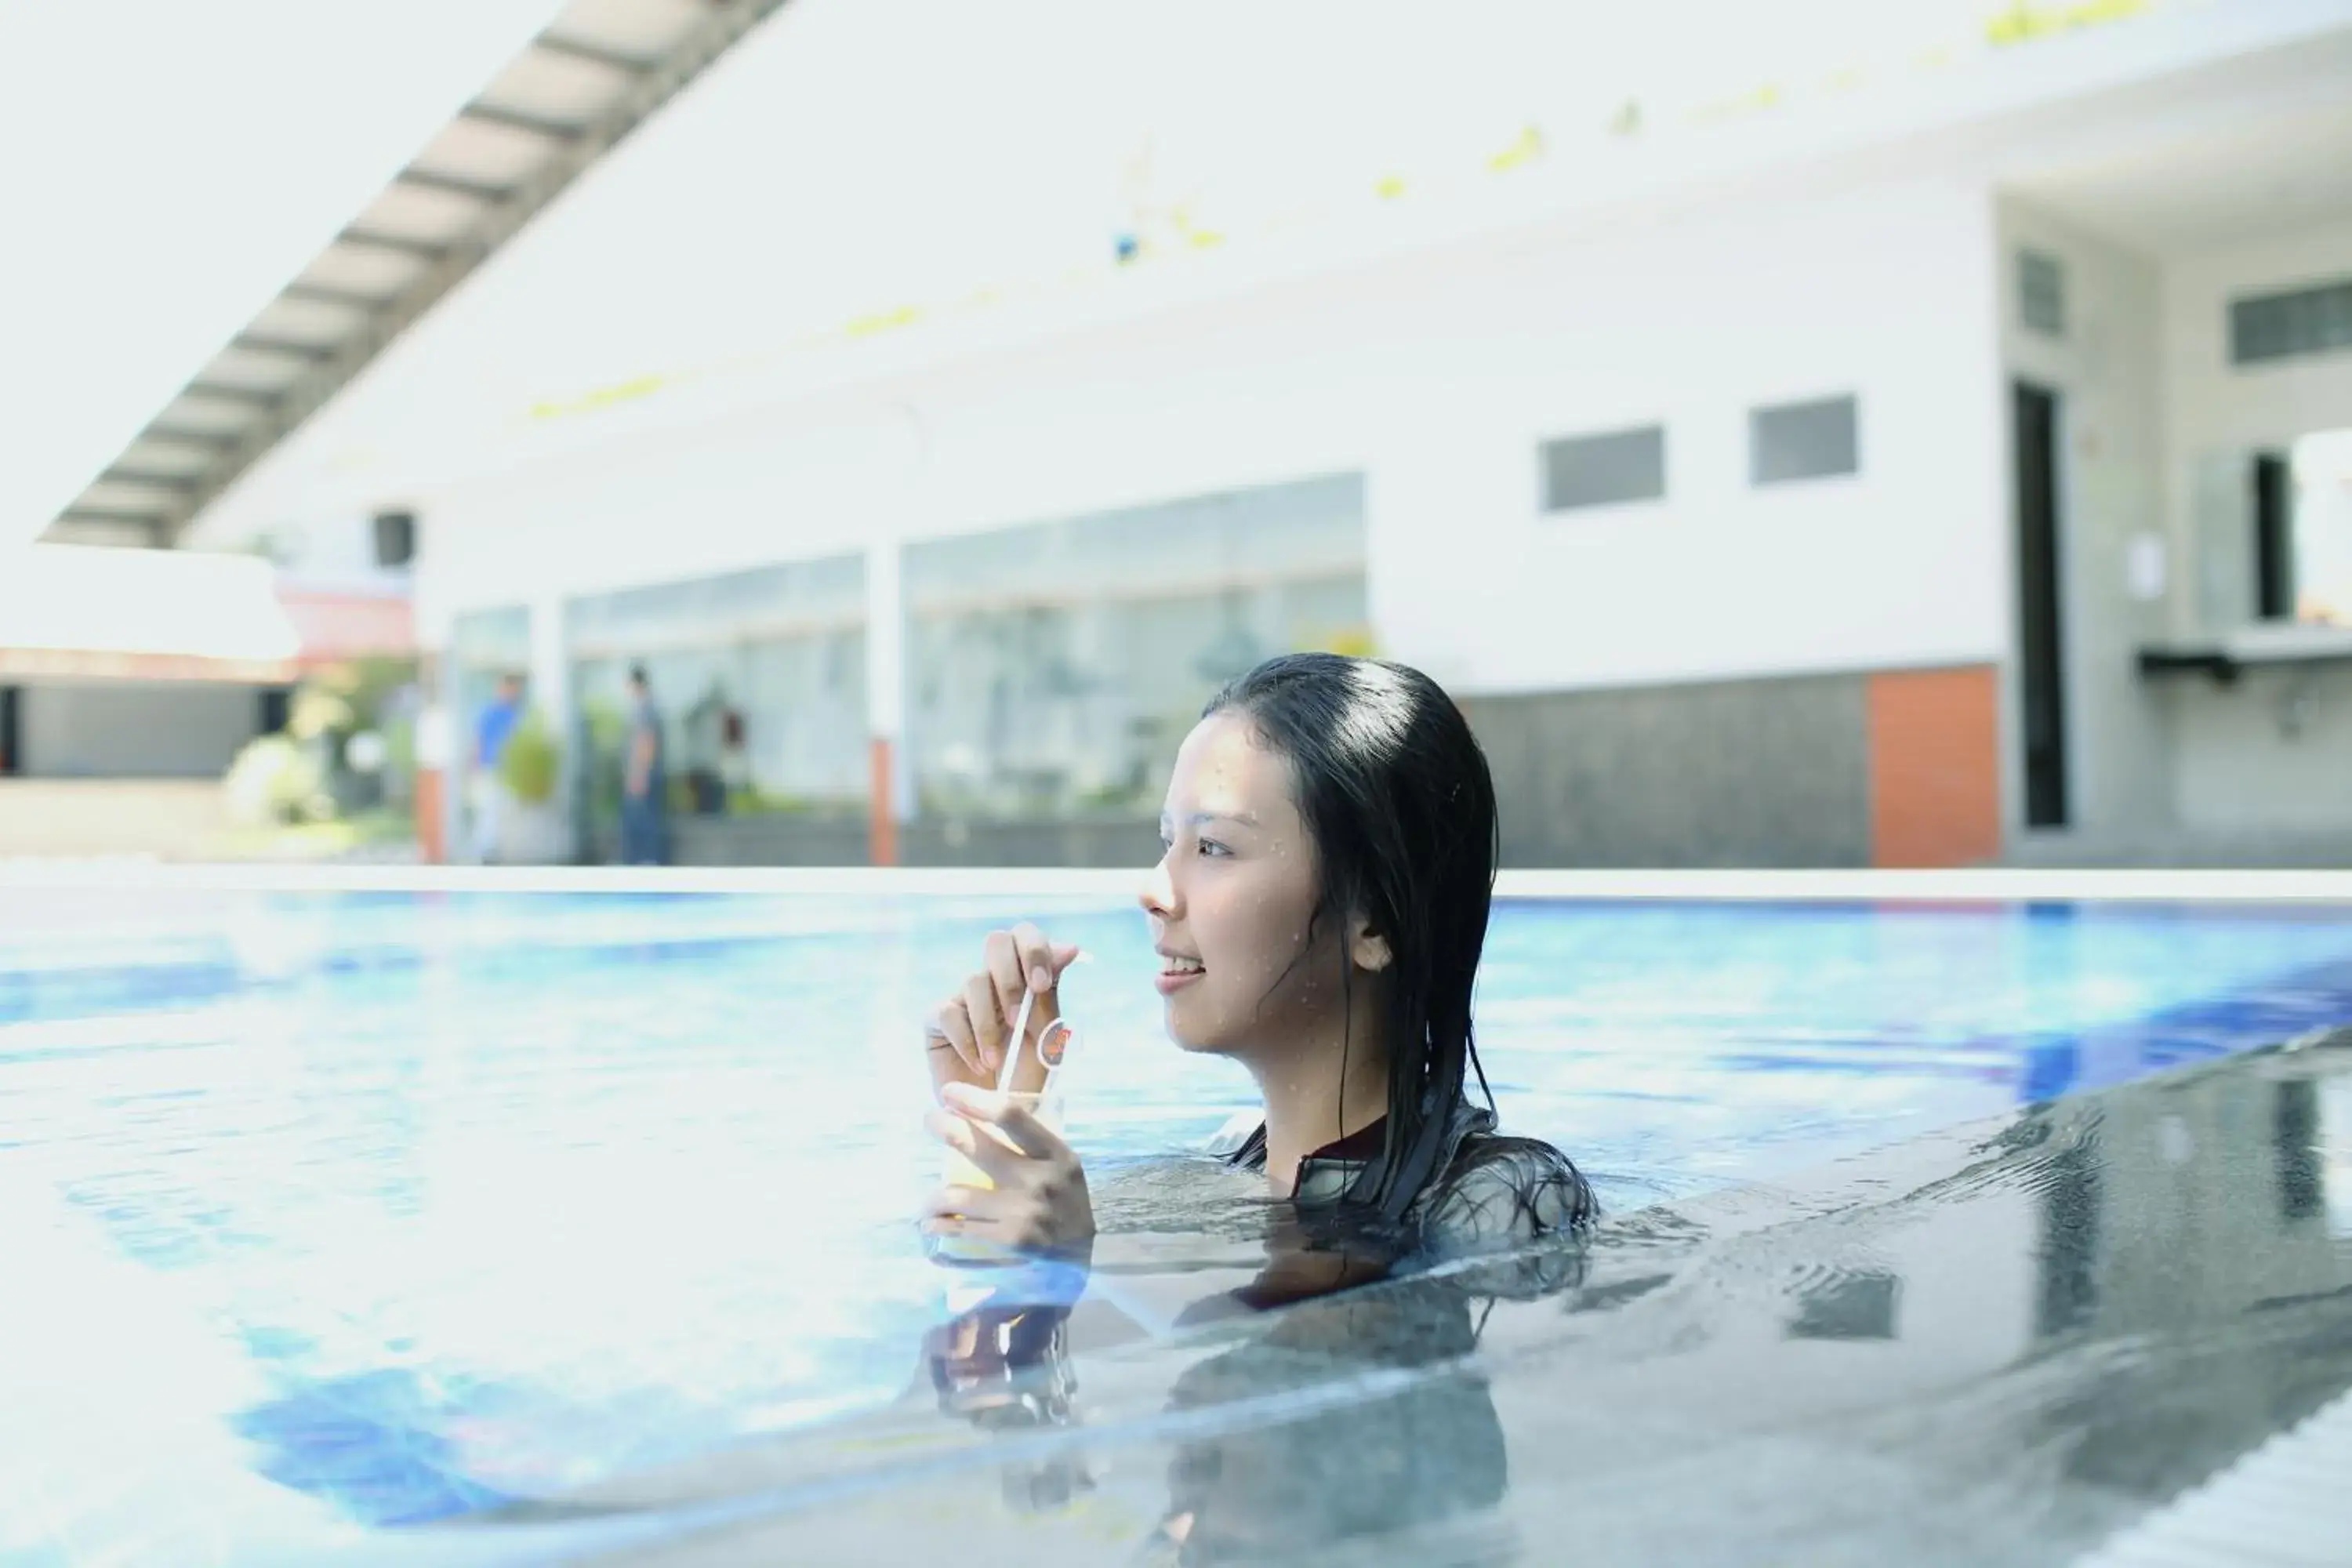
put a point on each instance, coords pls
(1319, 911)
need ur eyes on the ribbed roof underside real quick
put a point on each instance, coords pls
(597, 73)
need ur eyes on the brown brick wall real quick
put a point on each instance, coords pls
(1935, 766)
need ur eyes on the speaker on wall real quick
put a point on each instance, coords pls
(396, 538)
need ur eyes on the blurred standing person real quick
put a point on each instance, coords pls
(734, 756)
(493, 728)
(642, 786)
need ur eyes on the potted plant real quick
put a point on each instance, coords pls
(533, 831)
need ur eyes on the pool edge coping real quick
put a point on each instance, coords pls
(1973, 886)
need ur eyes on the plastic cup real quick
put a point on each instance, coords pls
(962, 1173)
(1044, 1103)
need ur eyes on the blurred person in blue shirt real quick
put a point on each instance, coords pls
(493, 728)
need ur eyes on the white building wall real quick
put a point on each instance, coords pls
(336, 554)
(2108, 369)
(1882, 292)
(1438, 376)
(2275, 753)
(2216, 406)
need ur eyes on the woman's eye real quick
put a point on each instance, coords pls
(1211, 847)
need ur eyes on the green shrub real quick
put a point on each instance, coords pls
(604, 730)
(530, 762)
(400, 753)
(277, 780)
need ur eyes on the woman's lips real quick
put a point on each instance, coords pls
(1174, 979)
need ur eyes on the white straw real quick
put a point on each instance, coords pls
(1020, 1037)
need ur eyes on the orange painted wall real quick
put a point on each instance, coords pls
(428, 816)
(1935, 766)
(881, 827)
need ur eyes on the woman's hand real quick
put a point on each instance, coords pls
(972, 1029)
(1039, 1204)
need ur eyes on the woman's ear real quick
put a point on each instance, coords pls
(1367, 948)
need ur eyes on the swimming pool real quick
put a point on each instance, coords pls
(348, 1211)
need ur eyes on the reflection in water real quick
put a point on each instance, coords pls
(1006, 1368)
(1325, 1456)
(2335, 1155)
(2186, 1291)
(2302, 1192)
(1432, 1451)
(1847, 1304)
(1998, 1344)
(2068, 1201)
(373, 1442)
(2034, 1333)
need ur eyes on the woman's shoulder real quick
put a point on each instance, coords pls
(1504, 1190)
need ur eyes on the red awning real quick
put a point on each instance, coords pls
(349, 626)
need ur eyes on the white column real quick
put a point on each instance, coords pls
(891, 779)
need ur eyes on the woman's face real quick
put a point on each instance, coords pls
(1231, 900)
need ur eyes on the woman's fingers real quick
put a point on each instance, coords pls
(979, 1141)
(973, 1031)
(975, 1204)
(1036, 1199)
(1016, 1121)
(957, 1133)
(1034, 958)
(1042, 960)
(980, 1109)
(988, 1025)
(954, 1049)
(1003, 968)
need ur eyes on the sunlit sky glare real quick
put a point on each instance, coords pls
(167, 165)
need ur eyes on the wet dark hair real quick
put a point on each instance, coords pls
(1397, 798)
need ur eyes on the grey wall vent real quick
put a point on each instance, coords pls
(1815, 440)
(1606, 469)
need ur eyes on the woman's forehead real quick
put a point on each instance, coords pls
(1224, 769)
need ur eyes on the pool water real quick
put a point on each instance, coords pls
(342, 1212)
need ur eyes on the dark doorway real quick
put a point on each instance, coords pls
(276, 705)
(2273, 538)
(2040, 640)
(12, 758)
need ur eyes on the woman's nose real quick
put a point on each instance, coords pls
(1158, 896)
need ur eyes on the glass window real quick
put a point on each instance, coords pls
(491, 642)
(1815, 440)
(1054, 668)
(2042, 293)
(2288, 325)
(1605, 469)
(759, 677)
